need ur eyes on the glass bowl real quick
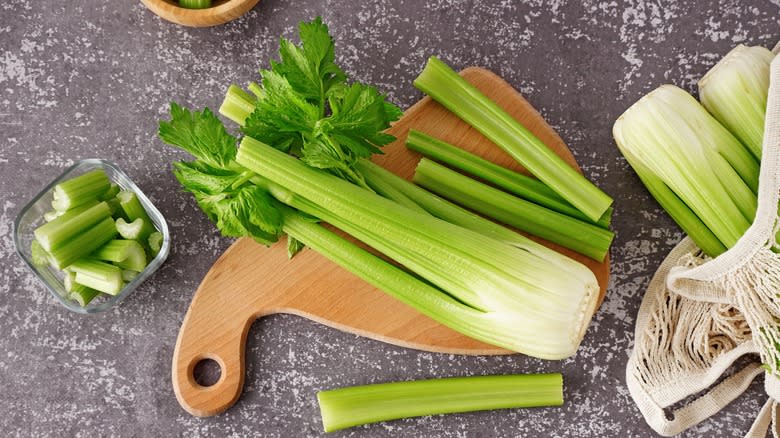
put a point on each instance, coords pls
(31, 217)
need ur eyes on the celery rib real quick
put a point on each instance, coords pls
(347, 407)
(84, 244)
(516, 183)
(80, 190)
(452, 91)
(566, 231)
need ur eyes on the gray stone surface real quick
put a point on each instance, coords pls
(86, 78)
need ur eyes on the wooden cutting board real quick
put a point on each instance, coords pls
(250, 281)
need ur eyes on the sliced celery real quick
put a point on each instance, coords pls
(80, 190)
(155, 241)
(112, 191)
(452, 91)
(54, 214)
(138, 229)
(514, 182)
(347, 407)
(102, 276)
(40, 257)
(84, 244)
(127, 254)
(238, 105)
(195, 4)
(132, 206)
(83, 294)
(129, 275)
(58, 232)
(566, 231)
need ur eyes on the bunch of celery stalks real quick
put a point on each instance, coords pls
(461, 269)
(97, 234)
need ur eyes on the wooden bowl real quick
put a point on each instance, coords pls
(220, 12)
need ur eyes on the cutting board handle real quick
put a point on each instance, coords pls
(215, 327)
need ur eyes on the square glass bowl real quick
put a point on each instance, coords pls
(31, 217)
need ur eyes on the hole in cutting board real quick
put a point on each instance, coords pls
(207, 372)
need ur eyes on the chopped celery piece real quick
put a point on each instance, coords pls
(127, 254)
(84, 244)
(69, 280)
(238, 105)
(58, 232)
(347, 407)
(523, 186)
(523, 291)
(138, 229)
(735, 91)
(80, 190)
(102, 276)
(452, 91)
(112, 191)
(669, 135)
(155, 241)
(132, 206)
(39, 255)
(83, 295)
(195, 4)
(116, 208)
(580, 236)
(129, 275)
(65, 215)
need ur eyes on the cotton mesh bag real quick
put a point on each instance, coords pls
(700, 315)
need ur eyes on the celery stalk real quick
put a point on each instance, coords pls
(566, 231)
(98, 275)
(452, 91)
(56, 233)
(127, 254)
(65, 215)
(524, 289)
(40, 257)
(238, 105)
(523, 186)
(112, 191)
(80, 190)
(83, 294)
(138, 229)
(84, 244)
(132, 206)
(735, 92)
(347, 407)
(155, 241)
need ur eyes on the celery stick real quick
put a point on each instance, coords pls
(56, 233)
(83, 294)
(80, 190)
(112, 191)
(347, 407)
(452, 91)
(138, 229)
(385, 189)
(54, 214)
(523, 186)
(132, 206)
(577, 235)
(69, 281)
(129, 275)
(127, 254)
(83, 244)
(39, 255)
(155, 241)
(238, 105)
(98, 275)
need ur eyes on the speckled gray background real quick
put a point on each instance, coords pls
(89, 78)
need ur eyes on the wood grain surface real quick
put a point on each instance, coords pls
(250, 281)
(220, 12)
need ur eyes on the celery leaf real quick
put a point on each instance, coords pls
(199, 133)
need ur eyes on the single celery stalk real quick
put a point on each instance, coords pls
(65, 215)
(138, 229)
(195, 4)
(83, 294)
(452, 91)
(80, 190)
(84, 244)
(566, 231)
(516, 183)
(40, 257)
(735, 91)
(347, 407)
(112, 191)
(58, 232)
(671, 136)
(129, 275)
(127, 254)
(385, 189)
(155, 241)
(98, 275)
(132, 206)
(238, 105)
